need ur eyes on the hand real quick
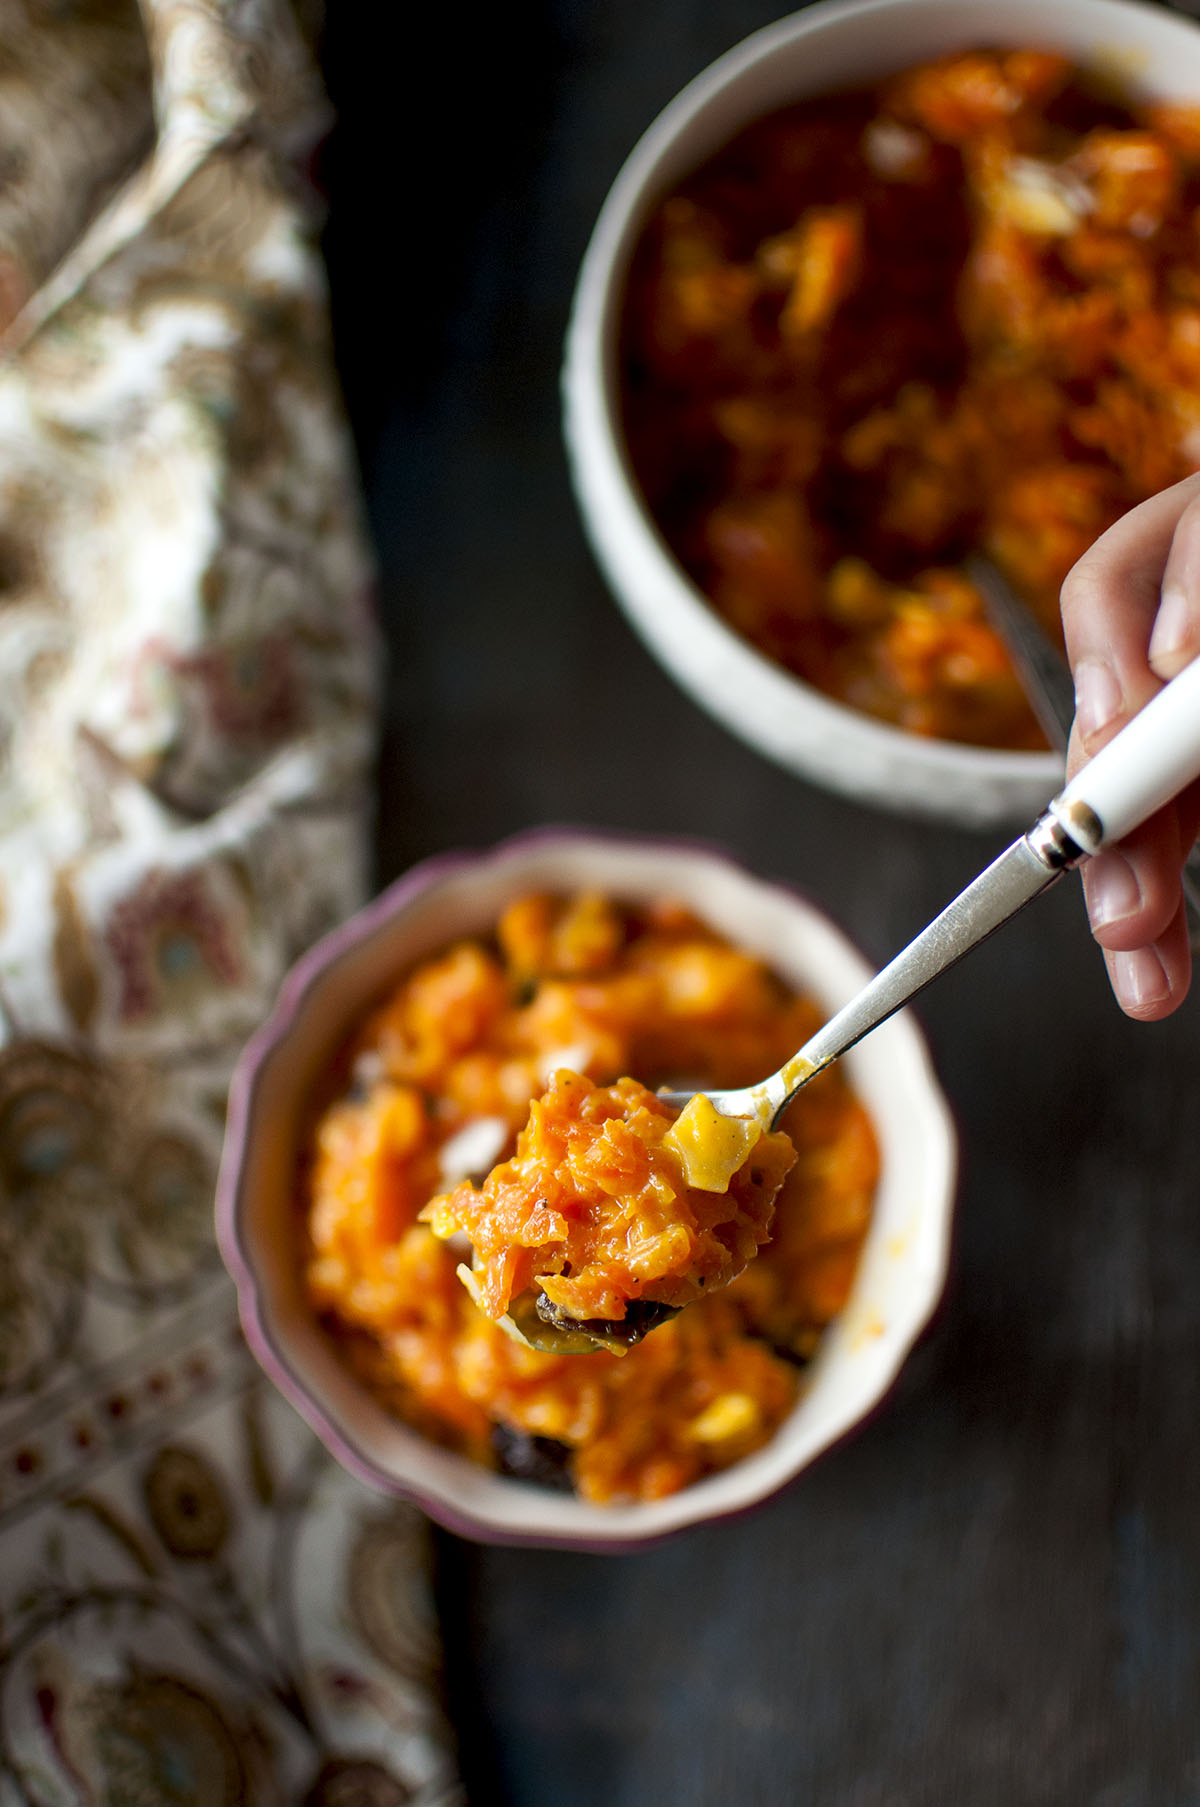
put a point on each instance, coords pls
(1131, 616)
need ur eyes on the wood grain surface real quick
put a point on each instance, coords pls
(991, 1593)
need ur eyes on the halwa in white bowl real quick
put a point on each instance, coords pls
(838, 45)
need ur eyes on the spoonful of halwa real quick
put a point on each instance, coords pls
(614, 1212)
(621, 1206)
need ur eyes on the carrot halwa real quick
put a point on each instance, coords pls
(596, 1212)
(880, 330)
(570, 994)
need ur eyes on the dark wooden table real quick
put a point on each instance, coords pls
(991, 1593)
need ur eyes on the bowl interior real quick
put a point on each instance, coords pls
(826, 47)
(900, 1274)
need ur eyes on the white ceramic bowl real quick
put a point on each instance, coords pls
(900, 1275)
(843, 43)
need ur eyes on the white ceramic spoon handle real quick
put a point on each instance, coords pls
(1147, 763)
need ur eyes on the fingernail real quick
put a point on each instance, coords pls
(1097, 696)
(1172, 632)
(1111, 887)
(1139, 979)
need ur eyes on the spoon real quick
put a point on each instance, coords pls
(1144, 766)
(1153, 757)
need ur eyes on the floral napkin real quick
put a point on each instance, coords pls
(196, 1606)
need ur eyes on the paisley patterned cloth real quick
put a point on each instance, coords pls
(195, 1605)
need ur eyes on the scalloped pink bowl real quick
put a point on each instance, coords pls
(900, 1276)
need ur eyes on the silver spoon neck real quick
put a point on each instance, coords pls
(1022, 872)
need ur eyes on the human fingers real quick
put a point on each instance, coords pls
(1132, 890)
(1175, 635)
(1111, 607)
(1109, 603)
(1151, 980)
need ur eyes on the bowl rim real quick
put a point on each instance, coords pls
(270, 1348)
(756, 699)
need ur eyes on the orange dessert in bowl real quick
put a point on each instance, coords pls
(594, 1232)
(403, 1058)
(892, 283)
(877, 330)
